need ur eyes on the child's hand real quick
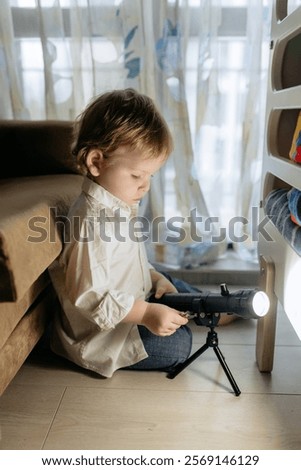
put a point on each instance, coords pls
(162, 320)
(161, 285)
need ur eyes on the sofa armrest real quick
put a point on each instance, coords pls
(32, 213)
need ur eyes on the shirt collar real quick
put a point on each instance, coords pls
(107, 199)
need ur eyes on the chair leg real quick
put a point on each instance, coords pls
(266, 326)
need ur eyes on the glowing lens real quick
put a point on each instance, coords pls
(260, 303)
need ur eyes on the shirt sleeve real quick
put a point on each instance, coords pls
(88, 274)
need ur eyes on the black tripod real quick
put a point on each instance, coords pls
(210, 320)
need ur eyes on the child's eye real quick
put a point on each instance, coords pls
(136, 177)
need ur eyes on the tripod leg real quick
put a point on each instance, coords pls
(183, 365)
(226, 370)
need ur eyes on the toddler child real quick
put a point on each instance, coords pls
(103, 277)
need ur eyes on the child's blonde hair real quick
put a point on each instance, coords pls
(121, 118)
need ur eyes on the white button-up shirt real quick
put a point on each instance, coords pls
(101, 271)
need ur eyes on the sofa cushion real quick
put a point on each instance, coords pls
(24, 337)
(37, 147)
(30, 227)
(12, 312)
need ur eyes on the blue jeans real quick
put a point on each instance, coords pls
(165, 352)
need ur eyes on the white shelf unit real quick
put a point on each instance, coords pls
(280, 264)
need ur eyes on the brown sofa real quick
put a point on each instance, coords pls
(36, 190)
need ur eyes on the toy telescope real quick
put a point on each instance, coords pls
(246, 303)
(205, 308)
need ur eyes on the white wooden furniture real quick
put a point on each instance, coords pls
(280, 264)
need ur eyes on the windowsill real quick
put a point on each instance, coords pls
(229, 269)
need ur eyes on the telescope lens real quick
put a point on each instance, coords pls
(260, 303)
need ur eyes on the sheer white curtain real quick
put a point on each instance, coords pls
(230, 113)
(57, 54)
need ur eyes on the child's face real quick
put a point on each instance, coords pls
(128, 175)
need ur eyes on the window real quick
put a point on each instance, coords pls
(218, 147)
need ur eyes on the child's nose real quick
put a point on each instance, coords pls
(145, 185)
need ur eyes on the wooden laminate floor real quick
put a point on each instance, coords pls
(52, 404)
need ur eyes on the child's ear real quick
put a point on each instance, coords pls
(94, 162)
